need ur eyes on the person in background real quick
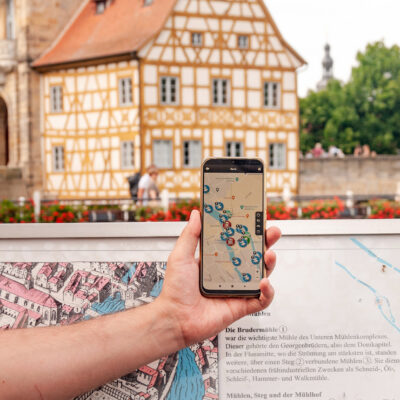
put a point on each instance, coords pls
(357, 151)
(318, 151)
(335, 152)
(366, 151)
(148, 191)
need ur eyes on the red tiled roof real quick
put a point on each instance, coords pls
(27, 266)
(33, 295)
(124, 27)
(47, 269)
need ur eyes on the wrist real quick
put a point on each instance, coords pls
(166, 325)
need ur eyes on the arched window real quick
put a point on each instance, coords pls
(53, 315)
(4, 142)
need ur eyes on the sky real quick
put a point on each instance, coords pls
(348, 26)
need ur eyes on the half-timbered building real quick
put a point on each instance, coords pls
(131, 83)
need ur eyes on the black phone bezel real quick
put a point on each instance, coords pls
(225, 165)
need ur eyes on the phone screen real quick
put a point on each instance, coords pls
(232, 248)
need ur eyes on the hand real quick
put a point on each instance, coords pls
(198, 317)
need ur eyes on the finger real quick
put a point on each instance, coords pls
(270, 261)
(272, 236)
(265, 299)
(187, 242)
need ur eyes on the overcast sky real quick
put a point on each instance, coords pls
(348, 25)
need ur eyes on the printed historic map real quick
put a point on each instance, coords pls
(61, 293)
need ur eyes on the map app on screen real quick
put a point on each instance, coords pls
(232, 245)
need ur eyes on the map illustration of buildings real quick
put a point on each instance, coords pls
(61, 293)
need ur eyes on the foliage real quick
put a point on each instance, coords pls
(323, 209)
(384, 209)
(59, 213)
(14, 213)
(279, 211)
(362, 111)
(176, 212)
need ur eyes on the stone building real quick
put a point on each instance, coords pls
(27, 27)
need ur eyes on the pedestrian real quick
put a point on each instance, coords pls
(148, 191)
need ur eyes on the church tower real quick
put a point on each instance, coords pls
(327, 65)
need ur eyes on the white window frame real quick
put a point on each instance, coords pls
(125, 91)
(277, 156)
(217, 92)
(58, 156)
(191, 159)
(167, 83)
(197, 39)
(127, 154)
(272, 94)
(56, 99)
(234, 149)
(161, 159)
(243, 41)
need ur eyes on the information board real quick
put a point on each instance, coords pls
(333, 331)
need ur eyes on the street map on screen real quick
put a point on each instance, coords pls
(232, 249)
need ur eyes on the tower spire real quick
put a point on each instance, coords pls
(327, 65)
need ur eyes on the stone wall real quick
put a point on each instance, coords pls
(363, 176)
(12, 184)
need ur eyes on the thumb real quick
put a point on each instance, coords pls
(187, 242)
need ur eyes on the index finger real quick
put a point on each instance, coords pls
(272, 236)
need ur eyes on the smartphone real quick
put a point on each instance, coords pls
(232, 243)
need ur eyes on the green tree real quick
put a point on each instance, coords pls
(366, 110)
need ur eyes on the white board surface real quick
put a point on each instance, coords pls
(333, 331)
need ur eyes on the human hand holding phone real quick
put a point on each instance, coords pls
(199, 317)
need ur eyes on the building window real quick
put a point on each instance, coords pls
(56, 99)
(10, 20)
(125, 91)
(26, 303)
(197, 39)
(58, 158)
(127, 155)
(220, 92)
(272, 94)
(16, 298)
(7, 296)
(169, 90)
(192, 153)
(234, 149)
(101, 6)
(277, 156)
(162, 154)
(243, 42)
